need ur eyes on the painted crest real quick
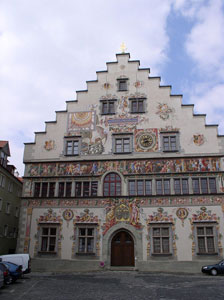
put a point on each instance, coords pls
(198, 139)
(164, 111)
(49, 145)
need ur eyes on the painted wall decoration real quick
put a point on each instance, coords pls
(49, 217)
(138, 83)
(146, 166)
(28, 226)
(68, 214)
(86, 217)
(182, 214)
(49, 145)
(121, 211)
(106, 86)
(198, 139)
(160, 216)
(204, 215)
(81, 121)
(146, 140)
(164, 111)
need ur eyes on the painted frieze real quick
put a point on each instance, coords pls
(121, 211)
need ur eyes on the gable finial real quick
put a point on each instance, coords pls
(123, 47)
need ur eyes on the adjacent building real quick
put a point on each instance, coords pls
(127, 176)
(10, 200)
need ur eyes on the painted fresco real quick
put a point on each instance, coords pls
(198, 139)
(146, 140)
(182, 214)
(122, 211)
(84, 120)
(125, 167)
(164, 111)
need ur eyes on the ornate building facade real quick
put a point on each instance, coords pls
(126, 176)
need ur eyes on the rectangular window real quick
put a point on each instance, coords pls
(181, 186)
(108, 107)
(2, 181)
(48, 238)
(169, 142)
(204, 186)
(212, 185)
(1, 204)
(6, 230)
(52, 189)
(10, 187)
(196, 186)
(72, 147)
(163, 186)
(61, 189)
(68, 189)
(17, 212)
(86, 188)
(86, 239)
(205, 239)
(139, 187)
(166, 186)
(37, 189)
(161, 240)
(8, 208)
(122, 145)
(137, 105)
(159, 187)
(44, 189)
(122, 85)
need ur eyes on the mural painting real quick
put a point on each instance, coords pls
(164, 111)
(126, 167)
(182, 214)
(81, 121)
(146, 140)
(198, 139)
(122, 211)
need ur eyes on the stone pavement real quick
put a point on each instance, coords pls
(114, 285)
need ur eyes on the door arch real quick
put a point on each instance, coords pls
(122, 249)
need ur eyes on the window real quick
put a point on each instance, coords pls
(86, 188)
(44, 189)
(14, 232)
(68, 189)
(169, 141)
(161, 239)
(122, 84)
(204, 185)
(181, 186)
(48, 238)
(10, 187)
(86, 239)
(139, 187)
(17, 212)
(206, 239)
(2, 181)
(137, 105)
(72, 147)
(1, 201)
(8, 208)
(52, 189)
(37, 189)
(112, 185)
(108, 107)
(163, 186)
(6, 230)
(122, 144)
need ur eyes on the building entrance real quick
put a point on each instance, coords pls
(122, 249)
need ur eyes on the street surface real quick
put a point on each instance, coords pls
(114, 285)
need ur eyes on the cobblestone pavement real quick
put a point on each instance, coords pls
(114, 285)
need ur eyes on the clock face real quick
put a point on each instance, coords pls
(146, 140)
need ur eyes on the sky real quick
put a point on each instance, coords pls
(50, 48)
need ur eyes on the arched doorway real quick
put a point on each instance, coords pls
(122, 249)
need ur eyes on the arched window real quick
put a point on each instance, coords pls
(112, 185)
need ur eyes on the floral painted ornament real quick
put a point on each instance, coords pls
(164, 111)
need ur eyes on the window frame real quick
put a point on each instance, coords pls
(137, 100)
(41, 235)
(111, 183)
(164, 191)
(204, 190)
(170, 135)
(161, 237)
(121, 81)
(181, 186)
(206, 236)
(136, 190)
(81, 184)
(72, 140)
(107, 103)
(86, 226)
(122, 138)
(8, 208)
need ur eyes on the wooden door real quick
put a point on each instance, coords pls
(122, 249)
